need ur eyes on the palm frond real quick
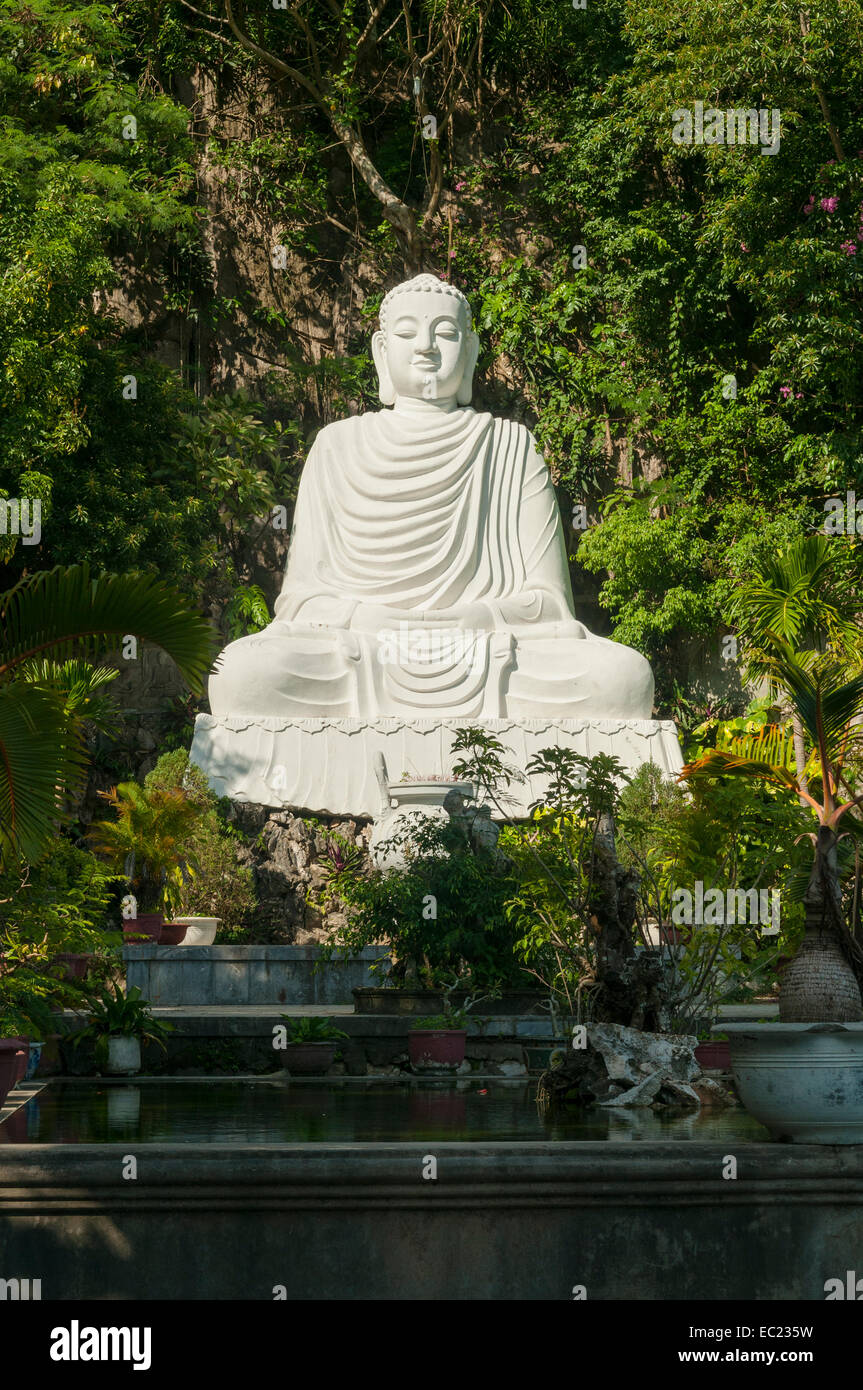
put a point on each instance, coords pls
(65, 612)
(772, 744)
(80, 685)
(40, 759)
(721, 762)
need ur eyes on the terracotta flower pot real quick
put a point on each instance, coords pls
(11, 1053)
(22, 1057)
(76, 964)
(714, 1056)
(146, 927)
(173, 933)
(308, 1059)
(436, 1049)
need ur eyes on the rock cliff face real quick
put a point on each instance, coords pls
(291, 859)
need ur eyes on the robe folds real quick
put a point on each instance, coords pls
(427, 575)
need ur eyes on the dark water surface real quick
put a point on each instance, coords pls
(280, 1112)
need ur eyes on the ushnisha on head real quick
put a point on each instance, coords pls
(425, 348)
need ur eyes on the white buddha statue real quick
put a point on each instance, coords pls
(427, 571)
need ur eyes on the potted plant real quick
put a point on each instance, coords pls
(713, 1052)
(173, 933)
(200, 931)
(13, 1062)
(803, 1076)
(437, 1044)
(150, 842)
(311, 1044)
(220, 893)
(117, 1025)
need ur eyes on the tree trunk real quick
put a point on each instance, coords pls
(630, 987)
(820, 986)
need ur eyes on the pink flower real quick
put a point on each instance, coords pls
(809, 207)
(785, 392)
(829, 204)
(460, 185)
(849, 248)
(743, 246)
(799, 396)
(452, 255)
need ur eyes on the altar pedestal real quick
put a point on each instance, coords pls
(326, 766)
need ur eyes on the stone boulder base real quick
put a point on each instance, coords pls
(626, 1067)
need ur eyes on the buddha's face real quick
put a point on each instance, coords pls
(428, 351)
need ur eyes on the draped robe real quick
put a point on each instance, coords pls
(427, 574)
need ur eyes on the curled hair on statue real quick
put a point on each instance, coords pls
(424, 284)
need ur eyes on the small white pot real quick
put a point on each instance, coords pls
(803, 1081)
(201, 930)
(124, 1056)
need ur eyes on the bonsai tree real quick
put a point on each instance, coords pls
(50, 623)
(822, 983)
(442, 913)
(150, 842)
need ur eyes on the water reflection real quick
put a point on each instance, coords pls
(282, 1112)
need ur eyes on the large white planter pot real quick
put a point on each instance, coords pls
(201, 930)
(409, 801)
(124, 1056)
(804, 1081)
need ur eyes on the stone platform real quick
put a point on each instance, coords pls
(247, 975)
(326, 766)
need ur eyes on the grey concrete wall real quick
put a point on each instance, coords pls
(197, 975)
(502, 1221)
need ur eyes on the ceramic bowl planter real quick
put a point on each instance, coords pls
(124, 1055)
(436, 1049)
(405, 801)
(33, 1061)
(147, 926)
(200, 931)
(803, 1081)
(308, 1058)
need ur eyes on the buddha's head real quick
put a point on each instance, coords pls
(425, 348)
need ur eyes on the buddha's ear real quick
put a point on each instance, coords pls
(465, 391)
(386, 390)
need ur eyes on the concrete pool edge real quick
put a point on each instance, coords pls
(499, 1220)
